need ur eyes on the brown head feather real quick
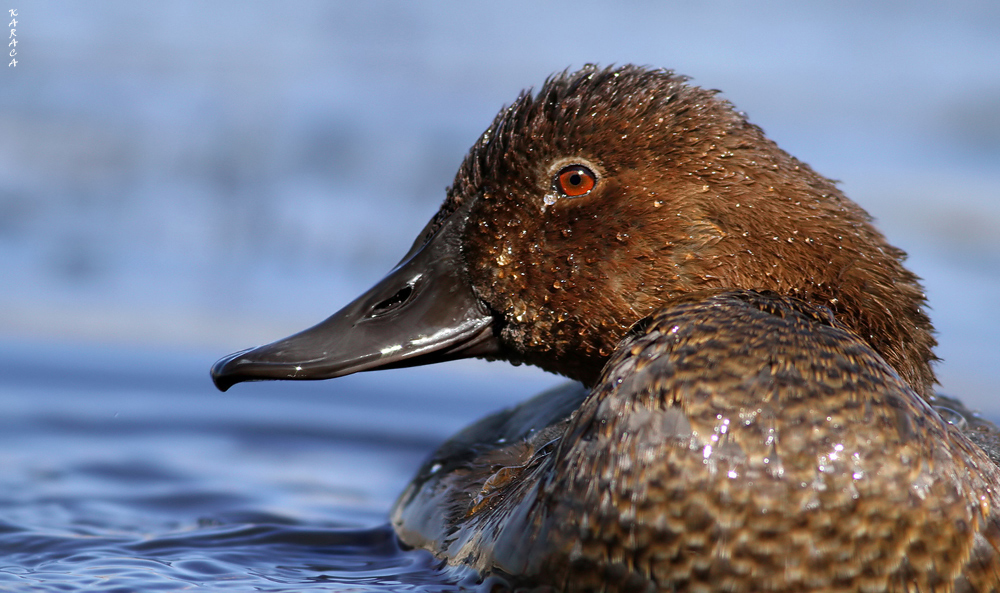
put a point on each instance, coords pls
(690, 196)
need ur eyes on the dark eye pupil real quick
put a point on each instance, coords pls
(575, 179)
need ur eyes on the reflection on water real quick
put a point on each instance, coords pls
(126, 470)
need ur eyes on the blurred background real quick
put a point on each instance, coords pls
(195, 178)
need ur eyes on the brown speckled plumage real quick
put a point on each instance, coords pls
(741, 442)
(738, 442)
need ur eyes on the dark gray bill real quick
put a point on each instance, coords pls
(423, 312)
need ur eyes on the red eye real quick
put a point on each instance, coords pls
(575, 181)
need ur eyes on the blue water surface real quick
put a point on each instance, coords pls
(127, 471)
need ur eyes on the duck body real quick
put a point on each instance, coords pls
(738, 441)
(756, 407)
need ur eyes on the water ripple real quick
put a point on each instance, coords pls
(263, 557)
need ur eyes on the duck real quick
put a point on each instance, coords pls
(752, 405)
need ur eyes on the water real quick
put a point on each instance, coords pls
(269, 555)
(126, 471)
(179, 180)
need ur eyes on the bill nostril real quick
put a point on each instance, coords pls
(393, 302)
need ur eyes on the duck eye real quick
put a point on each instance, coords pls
(575, 181)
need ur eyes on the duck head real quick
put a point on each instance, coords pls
(587, 206)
